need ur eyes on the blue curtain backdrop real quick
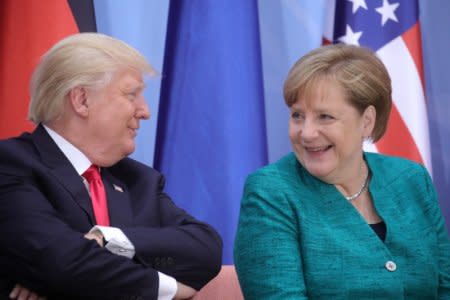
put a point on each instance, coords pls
(436, 43)
(211, 130)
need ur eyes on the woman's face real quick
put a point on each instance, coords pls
(327, 132)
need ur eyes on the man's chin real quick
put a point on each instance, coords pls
(129, 149)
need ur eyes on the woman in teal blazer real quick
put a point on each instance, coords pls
(331, 221)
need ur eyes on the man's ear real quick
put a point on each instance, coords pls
(79, 101)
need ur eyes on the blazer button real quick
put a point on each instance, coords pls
(163, 262)
(157, 262)
(390, 266)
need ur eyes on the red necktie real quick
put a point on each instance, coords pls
(98, 195)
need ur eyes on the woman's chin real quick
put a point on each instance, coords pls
(320, 172)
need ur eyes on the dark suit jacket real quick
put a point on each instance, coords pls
(45, 210)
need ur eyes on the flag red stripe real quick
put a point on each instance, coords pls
(325, 41)
(28, 29)
(397, 140)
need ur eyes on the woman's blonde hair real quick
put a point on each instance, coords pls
(84, 59)
(357, 70)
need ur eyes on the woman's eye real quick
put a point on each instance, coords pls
(296, 116)
(326, 117)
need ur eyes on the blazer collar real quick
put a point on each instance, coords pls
(119, 205)
(61, 169)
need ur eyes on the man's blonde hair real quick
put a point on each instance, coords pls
(84, 59)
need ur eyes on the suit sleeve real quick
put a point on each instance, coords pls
(40, 251)
(181, 246)
(267, 253)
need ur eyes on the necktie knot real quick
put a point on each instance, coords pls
(92, 173)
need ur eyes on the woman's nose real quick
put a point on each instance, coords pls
(309, 129)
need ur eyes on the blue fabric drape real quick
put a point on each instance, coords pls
(211, 126)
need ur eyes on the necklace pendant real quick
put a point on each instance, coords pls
(363, 187)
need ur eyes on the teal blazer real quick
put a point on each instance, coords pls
(299, 238)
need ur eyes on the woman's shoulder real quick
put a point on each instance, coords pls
(392, 164)
(389, 169)
(282, 169)
(272, 189)
(283, 179)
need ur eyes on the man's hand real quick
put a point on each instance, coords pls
(21, 293)
(184, 292)
(95, 235)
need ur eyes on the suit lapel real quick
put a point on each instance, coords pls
(62, 170)
(119, 205)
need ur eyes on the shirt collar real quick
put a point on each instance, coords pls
(78, 160)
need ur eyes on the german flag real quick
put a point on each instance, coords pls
(28, 28)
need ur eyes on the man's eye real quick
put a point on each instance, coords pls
(131, 95)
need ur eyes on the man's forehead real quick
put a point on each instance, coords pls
(131, 79)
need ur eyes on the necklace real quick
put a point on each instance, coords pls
(358, 193)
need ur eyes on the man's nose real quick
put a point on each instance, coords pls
(142, 110)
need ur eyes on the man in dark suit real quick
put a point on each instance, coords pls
(65, 235)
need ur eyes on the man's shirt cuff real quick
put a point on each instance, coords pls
(117, 241)
(167, 287)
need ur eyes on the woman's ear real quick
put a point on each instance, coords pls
(369, 118)
(78, 100)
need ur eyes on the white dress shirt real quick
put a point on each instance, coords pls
(117, 241)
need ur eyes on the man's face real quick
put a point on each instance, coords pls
(114, 114)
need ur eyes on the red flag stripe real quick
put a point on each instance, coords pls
(397, 140)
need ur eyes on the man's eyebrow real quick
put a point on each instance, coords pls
(140, 86)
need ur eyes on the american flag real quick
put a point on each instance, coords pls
(392, 29)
